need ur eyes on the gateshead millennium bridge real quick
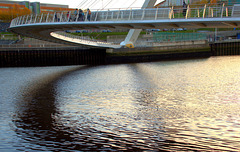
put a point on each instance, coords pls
(51, 26)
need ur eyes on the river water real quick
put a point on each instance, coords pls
(185, 105)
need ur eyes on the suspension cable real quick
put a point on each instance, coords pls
(82, 3)
(107, 4)
(132, 3)
(93, 2)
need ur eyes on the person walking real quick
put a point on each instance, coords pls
(184, 8)
(55, 17)
(80, 15)
(88, 14)
(83, 16)
(75, 14)
(68, 16)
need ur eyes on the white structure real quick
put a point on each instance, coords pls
(134, 33)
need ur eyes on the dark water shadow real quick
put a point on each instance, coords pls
(37, 125)
(35, 119)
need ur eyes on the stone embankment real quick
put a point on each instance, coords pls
(58, 56)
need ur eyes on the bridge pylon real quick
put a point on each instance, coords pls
(133, 34)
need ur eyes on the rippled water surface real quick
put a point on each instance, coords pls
(187, 105)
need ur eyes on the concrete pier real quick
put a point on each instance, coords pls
(51, 57)
(225, 48)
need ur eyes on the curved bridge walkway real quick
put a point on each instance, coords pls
(48, 27)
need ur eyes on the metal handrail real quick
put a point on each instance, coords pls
(202, 11)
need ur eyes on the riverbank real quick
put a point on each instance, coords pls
(59, 56)
(183, 50)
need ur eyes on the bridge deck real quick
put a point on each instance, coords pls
(44, 26)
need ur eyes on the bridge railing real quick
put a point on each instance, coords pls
(201, 11)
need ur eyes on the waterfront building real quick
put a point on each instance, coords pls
(8, 11)
(35, 7)
(54, 7)
(5, 7)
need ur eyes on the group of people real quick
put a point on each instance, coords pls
(79, 15)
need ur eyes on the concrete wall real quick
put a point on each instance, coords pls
(167, 47)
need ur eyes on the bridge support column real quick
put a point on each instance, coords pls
(134, 33)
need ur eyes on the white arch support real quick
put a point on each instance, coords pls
(133, 34)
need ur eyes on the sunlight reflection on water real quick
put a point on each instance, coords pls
(171, 105)
(184, 104)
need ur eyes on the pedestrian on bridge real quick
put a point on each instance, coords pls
(75, 14)
(80, 15)
(68, 17)
(88, 14)
(184, 8)
(57, 16)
